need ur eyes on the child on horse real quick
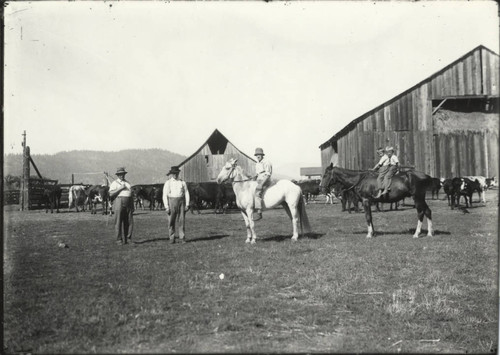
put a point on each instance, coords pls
(387, 168)
(264, 170)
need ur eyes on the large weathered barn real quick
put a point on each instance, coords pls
(205, 164)
(446, 125)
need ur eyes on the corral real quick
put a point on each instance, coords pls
(332, 291)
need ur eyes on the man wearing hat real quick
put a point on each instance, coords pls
(387, 168)
(123, 205)
(264, 170)
(176, 201)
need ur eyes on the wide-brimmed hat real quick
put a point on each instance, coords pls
(120, 171)
(389, 149)
(174, 170)
(259, 151)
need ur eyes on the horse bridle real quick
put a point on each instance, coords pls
(233, 167)
(361, 178)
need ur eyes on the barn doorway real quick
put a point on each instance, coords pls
(466, 136)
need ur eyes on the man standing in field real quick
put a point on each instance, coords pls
(264, 170)
(176, 201)
(123, 205)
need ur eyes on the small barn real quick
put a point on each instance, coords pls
(311, 172)
(205, 164)
(446, 125)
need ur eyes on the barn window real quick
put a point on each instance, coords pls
(217, 143)
(206, 159)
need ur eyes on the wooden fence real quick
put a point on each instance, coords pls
(11, 197)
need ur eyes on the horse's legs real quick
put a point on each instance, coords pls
(293, 215)
(368, 215)
(423, 210)
(295, 219)
(428, 214)
(247, 224)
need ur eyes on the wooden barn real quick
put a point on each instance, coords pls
(205, 164)
(446, 125)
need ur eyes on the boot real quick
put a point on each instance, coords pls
(257, 215)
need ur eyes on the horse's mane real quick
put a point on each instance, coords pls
(239, 171)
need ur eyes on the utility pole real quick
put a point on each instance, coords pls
(26, 175)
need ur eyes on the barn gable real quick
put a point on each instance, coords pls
(205, 163)
(465, 90)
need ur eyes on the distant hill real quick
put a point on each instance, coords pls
(143, 165)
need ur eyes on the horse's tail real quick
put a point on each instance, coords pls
(304, 220)
(70, 198)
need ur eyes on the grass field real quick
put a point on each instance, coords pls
(334, 291)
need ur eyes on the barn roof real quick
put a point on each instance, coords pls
(311, 171)
(354, 122)
(217, 143)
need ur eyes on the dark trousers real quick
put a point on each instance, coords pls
(124, 221)
(177, 216)
(385, 175)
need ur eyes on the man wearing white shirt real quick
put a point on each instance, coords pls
(387, 167)
(123, 205)
(176, 201)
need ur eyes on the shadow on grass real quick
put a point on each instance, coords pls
(408, 231)
(210, 237)
(280, 238)
(151, 240)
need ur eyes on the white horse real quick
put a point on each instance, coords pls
(284, 193)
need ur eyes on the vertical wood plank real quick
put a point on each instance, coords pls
(460, 78)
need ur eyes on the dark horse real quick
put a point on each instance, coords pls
(364, 184)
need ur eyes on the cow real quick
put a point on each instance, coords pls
(99, 194)
(156, 197)
(77, 196)
(467, 188)
(309, 188)
(226, 197)
(205, 193)
(142, 193)
(456, 187)
(52, 197)
(434, 187)
(484, 184)
(448, 190)
(347, 197)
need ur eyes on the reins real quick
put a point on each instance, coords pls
(234, 181)
(362, 176)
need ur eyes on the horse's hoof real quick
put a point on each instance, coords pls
(415, 236)
(294, 239)
(430, 234)
(247, 241)
(253, 241)
(369, 236)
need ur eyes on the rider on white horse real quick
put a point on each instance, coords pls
(264, 170)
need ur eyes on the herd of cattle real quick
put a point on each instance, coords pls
(82, 197)
(222, 197)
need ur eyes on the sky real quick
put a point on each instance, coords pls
(284, 76)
